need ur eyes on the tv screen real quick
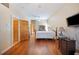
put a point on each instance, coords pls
(73, 20)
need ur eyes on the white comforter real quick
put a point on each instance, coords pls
(45, 34)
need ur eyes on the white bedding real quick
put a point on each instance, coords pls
(45, 34)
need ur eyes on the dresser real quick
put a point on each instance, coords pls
(66, 47)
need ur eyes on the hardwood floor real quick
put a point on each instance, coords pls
(34, 47)
(19, 49)
(43, 47)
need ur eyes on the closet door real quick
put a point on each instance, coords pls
(23, 30)
(15, 30)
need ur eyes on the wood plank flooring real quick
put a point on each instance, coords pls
(43, 47)
(35, 47)
(19, 49)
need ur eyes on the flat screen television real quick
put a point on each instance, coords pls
(73, 20)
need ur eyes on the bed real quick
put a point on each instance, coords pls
(45, 34)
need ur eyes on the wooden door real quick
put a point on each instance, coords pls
(23, 30)
(15, 30)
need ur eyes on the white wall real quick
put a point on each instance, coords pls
(5, 28)
(59, 19)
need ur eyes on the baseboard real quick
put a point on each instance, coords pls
(8, 48)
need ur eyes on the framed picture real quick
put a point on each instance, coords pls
(41, 28)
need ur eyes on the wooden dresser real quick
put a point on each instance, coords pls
(66, 47)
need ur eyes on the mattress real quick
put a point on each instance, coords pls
(45, 34)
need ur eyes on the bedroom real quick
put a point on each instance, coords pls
(45, 22)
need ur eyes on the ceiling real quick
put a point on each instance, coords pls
(36, 10)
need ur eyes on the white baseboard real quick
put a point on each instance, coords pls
(8, 48)
(5, 50)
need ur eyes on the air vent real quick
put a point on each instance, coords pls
(5, 4)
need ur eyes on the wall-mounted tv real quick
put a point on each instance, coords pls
(73, 20)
